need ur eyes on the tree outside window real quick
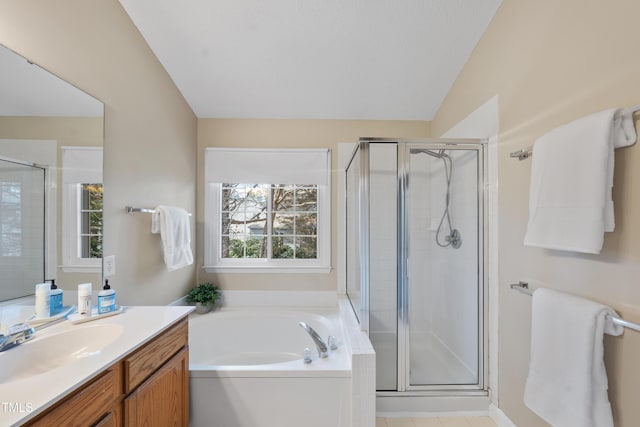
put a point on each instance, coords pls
(275, 221)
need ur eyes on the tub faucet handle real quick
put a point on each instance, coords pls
(307, 355)
(331, 343)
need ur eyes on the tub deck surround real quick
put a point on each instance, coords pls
(247, 370)
(261, 342)
(30, 396)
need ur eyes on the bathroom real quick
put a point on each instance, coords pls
(536, 67)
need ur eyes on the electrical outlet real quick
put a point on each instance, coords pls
(109, 265)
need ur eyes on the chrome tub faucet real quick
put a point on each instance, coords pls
(323, 351)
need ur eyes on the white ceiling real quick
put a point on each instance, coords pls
(28, 90)
(319, 59)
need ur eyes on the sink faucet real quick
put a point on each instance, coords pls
(17, 334)
(320, 345)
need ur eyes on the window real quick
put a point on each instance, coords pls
(82, 209)
(267, 210)
(269, 221)
(90, 211)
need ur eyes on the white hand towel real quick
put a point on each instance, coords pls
(567, 381)
(570, 204)
(173, 225)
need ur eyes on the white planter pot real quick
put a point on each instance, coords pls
(202, 308)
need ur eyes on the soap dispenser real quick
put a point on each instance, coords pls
(106, 299)
(55, 294)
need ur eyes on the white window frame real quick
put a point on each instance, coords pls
(213, 261)
(73, 175)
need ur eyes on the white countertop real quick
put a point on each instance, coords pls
(23, 399)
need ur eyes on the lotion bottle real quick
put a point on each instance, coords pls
(106, 299)
(84, 299)
(55, 305)
(43, 300)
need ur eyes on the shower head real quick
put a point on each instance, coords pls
(439, 154)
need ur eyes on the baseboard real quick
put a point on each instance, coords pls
(499, 417)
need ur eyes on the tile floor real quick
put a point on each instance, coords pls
(436, 422)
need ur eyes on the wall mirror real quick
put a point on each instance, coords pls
(51, 138)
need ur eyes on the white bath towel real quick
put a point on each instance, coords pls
(173, 225)
(570, 204)
(567, 381)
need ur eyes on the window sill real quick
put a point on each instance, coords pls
(81, 268)
(267, 269)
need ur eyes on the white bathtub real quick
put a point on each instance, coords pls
(247, 370)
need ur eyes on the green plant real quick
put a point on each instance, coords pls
(204, 293)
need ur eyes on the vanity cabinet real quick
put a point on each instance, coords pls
(157, 381)
(148, 387)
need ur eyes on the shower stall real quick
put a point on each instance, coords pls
(415, 270)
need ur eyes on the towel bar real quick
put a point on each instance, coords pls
(528, 152)
(523, 287)
(522, 154)
(130, 209)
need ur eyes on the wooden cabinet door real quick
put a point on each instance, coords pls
(89, 404)
(112, 419)
(163, 399)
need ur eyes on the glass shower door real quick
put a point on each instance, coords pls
(22, 233)
(443, 279)
(371, 234)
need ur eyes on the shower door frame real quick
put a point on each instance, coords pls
(403, 376)
(403, 384)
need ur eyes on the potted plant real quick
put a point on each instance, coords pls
(204, 296)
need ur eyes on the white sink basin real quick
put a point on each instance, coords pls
(44, 354)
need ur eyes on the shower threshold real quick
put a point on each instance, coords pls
(431, 403)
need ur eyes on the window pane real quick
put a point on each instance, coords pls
(257, 228)
(283, 197)
(256, 247)
(95, 243)
(306, 247)
(282, 224)
(91, 220)
(226, 222)
(307, 198)
(282, 247)
(232, 248)
(244, 220)
(307, 224)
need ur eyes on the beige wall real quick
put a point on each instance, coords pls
(67, 131)
(550, 62)
(149, 135)
(289, 134)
